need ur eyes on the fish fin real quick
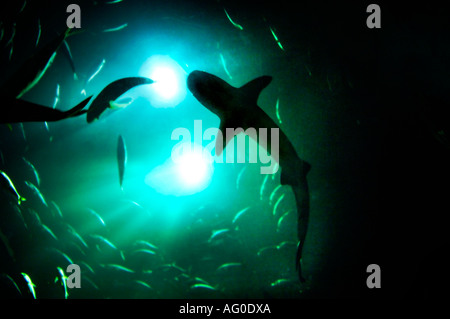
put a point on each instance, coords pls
(78, 109)
(220, 142)
(253, 88)
(301, 193)
(9, 126)
(116, 105)
(228, 122)
(113, 105)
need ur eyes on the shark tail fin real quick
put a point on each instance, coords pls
(295, 176)
(298, 261)
(301, 194)
(253, 88)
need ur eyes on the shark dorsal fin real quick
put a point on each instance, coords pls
(253, 88)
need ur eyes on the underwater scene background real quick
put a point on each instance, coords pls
(365, 107)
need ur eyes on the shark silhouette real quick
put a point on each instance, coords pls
(237, 108)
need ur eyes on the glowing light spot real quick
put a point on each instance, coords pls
(186, 173)
(192, 169)
(166, 82)
(169, 88)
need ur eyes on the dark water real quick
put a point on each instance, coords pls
(365, 107)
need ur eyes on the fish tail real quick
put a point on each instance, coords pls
(298, 261)
(78, 109)
(301, 193)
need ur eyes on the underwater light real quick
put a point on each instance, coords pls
(186, 173)
(192, 168)
(169, 88)
(166, 83)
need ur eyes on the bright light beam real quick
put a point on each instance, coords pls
(165, 82)
(192, 169)
(189, 173)
(169, 88)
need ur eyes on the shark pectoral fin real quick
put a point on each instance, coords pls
(253, 88)
(220, 142)
(225, 128)
(220, 145)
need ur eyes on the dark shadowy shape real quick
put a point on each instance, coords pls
(110, 93)
(23, 111)
(237, 108)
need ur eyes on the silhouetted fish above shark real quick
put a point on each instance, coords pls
(32, 71)
(23, 111)
(237, 108)
(24, 79)
(105, 99)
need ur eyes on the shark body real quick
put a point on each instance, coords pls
(237, 108)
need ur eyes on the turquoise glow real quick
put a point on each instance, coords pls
(187, 173)
(169, 88)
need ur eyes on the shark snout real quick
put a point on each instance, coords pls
(193, 80)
